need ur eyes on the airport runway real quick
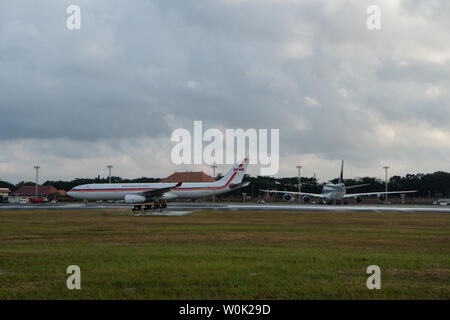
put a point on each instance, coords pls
(179, 208)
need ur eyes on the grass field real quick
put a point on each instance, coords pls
(224, 255)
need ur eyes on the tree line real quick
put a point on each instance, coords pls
(67, 185)
(435, 184)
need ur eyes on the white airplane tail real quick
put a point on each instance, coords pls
(235, 175)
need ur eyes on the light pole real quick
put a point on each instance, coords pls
(299, 167)
(386, 182)
(109, 166)
(214, 166)
(37, 176)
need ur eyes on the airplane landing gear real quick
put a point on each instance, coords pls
(145, 208)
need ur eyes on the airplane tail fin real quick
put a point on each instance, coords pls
(341, 177)
(236, 174)
(357, 186)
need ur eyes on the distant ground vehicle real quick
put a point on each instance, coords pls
(53, 201)
(23, 201)
(442, 202)
(260, 202)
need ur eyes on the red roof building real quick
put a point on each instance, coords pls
(28, 191)
(189, 176)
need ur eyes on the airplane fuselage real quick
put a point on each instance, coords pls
(334, 192)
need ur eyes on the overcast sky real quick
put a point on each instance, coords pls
(74, 101)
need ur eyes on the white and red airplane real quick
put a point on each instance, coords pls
(136, 193)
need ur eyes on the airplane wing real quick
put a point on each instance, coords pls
(239, 185)
(160, 191)
(353, 195)
(315, 195)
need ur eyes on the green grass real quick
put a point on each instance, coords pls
(224, 255)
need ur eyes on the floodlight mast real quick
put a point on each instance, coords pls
(37, 176)
(299, 167)
(109, 166)
(386, 182)
(214, 166)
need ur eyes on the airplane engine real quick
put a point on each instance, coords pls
(358, 199)
(287, 197)
(381, 197)
(134, 198)
(305, 199)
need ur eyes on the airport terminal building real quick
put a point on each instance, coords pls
(4, 193)
(26, 192)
